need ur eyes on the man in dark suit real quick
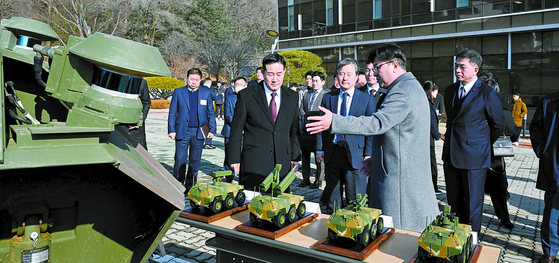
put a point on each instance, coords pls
(343, 154)
(259, 77)
(475, 121)
(268, 114)
(310, 102)
(219, 100)
(139, 132)
(191, 111)
(373, 87)
(229, 111)
(207, 83)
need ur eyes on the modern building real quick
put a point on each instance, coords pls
(518, 39)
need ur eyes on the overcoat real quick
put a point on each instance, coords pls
(264, 143)
(401, 166)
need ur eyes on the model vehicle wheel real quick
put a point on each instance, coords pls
(364, 237)
(380, 226)
(301, 210)
(468, 248)
(332, 235)
(253, 217)
(193, 204)
(229, 202)
(240, 198)
(216, 205)
(422, 255)
(373, 231)
(292, 215)
(280, 220)
(463, 256)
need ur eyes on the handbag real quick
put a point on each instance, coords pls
(503, 147)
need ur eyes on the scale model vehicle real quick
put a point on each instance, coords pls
(279, 209)
(445, 239)
(357, 222)
(74, 185)
(218, 194)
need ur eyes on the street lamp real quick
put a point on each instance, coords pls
(275, 35)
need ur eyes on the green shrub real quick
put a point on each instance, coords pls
(163, 87)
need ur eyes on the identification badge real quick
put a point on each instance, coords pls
(203, 102)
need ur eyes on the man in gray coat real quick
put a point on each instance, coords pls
(399, 168)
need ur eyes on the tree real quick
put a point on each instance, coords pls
(298, 63)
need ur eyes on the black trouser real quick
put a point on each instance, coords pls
(434, 170)
(496, 185)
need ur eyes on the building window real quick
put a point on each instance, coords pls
(291, 16)
(462, 3)
(329, 12)
(377, 9)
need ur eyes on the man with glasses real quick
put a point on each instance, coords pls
(399, 169)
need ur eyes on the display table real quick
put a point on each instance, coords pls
(295, 246)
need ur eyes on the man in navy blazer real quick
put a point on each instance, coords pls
(229, 111)
(475, 121)
(190, 112)
(343, 155)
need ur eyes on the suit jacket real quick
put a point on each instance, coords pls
(401, 182)
(362, 104)
(308, 141)
(379, 96)
(229, 110)
(265, 143)
(472, 131)
(179, 112)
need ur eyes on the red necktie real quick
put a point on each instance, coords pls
(273, 107)
(373, 92)
(463, 93)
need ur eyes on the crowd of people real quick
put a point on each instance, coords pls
(373, 132)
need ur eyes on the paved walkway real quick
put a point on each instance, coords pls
(521, 244)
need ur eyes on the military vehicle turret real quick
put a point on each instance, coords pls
(217, 194)
(74, 186)
(445, 239)
(357, 222)
(278, 208)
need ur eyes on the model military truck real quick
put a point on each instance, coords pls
(217, 194)
(279, 208)
(357, 222)
(445, 238)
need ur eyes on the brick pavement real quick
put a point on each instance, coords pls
(521, 244)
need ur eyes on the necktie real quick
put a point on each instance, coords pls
(373, 92)
(312, 100)
(463, 93)
(273, 106)
(340, 139)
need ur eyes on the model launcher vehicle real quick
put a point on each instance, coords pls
(217, 195)
(357, 222)
(445, 239)
(279, 208)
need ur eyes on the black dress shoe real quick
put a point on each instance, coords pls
(304, 183)
(507, 223)
(212, 146)
(314, 185)
(207, 146)
(547, 259)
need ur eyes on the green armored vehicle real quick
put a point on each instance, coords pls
(445, 238)
(357, 222)
(218, 194)
(74, 186)
(279, 209)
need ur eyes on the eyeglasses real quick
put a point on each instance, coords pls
(378, 66)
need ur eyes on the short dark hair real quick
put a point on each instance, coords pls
(273, 58)
(260, 68)
(319, 74)
(207, 79)
(389, 52)
(194, 71)
(309, 73)
(238, 78)
(361, 73)
(346, 61)
(293, 84)
(485, 76)
(470, 54)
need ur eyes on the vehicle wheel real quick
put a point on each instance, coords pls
(240, 198)
(380, 226)
(301, 210)
(229, 202)
(332, 235)
(364, 237)
(462, 257)
(280, 220)
(373, 231)
(292, 215)
(468, 248)
(422, 255)
(216, 206)
(193, 204)
(253, 217)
